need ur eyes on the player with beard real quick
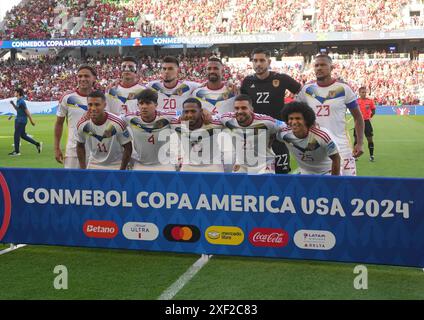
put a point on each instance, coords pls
(122, 98)
(171, 91)
(199, 149)
(254, 134)
(72, 106)
(267, 90)
(329, 98)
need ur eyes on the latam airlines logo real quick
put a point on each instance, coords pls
(5, 206)
(265, 237)
(314, 239)
(142, 231)
(100, 229)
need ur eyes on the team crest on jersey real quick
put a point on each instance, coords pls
(332, 94)
(276, 83)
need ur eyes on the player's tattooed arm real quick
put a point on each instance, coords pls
(81, 155)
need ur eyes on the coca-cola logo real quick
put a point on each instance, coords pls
(266, 237)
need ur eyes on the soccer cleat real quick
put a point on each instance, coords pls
(372, 159)
(39, 147)
(14, 153)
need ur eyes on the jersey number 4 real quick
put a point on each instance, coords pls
(323, 111)
(151, 139)
(262, 97)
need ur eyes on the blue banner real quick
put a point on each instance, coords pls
(350, 219)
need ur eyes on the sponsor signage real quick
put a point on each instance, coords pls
(231, 236)
(267, 237)
(314, 239)
(143, 231)
(100, 229)
(181, 233)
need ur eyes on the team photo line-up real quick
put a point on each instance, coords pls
(175, 125)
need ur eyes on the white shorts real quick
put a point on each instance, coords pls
(269, 168)
(152, 167)
(202, 168)
(71, 163)
(348, 165)
(96, 166)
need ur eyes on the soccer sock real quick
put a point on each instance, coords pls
(371, 148)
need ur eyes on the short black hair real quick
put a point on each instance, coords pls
(215, 59)
(129, 58)
(20, 91)
(363, 87)
(97, 94)
(326, 56)
(300, 107)
(147, 96)
(244, 97)
(261, 50)
(193, 100)
(171, 59)
(87, 67)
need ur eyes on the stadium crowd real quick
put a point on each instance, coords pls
(35, 19)
(390, 81)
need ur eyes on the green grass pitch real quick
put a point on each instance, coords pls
(124, 274)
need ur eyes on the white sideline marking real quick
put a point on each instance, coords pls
(12, 248)
(169, 293)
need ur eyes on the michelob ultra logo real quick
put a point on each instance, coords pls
(5, 206)
(231, 236)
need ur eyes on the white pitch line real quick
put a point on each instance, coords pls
(169, 293)
(12, 248)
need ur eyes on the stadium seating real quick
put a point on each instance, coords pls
(390, 81)
(35, 19)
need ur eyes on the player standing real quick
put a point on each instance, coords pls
(313, 147)
(367, 108)
(267, 90)
(329, 99)
(171, 91)
(72, 106)
(122, 98)
(106, 135)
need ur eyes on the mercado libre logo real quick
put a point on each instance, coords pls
(5, 206)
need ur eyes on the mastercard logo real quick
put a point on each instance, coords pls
(181, 233)
(5, 206)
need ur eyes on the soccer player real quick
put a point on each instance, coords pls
(106, 135)
(367, 108)
(171, 91)
(21, 121)
(215, 96)
(72, 106)
(314, 148)
(329, 99)
(199, 147)
(122, 98)
(254, 134)
(267, 90)
(149, 127)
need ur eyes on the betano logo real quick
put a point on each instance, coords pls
(100, 229)
(5, 206)
(143, 231)
(231, 236)
(314, 239)
(265, 237)
(181, 233)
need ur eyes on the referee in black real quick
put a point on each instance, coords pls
(267, 90)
